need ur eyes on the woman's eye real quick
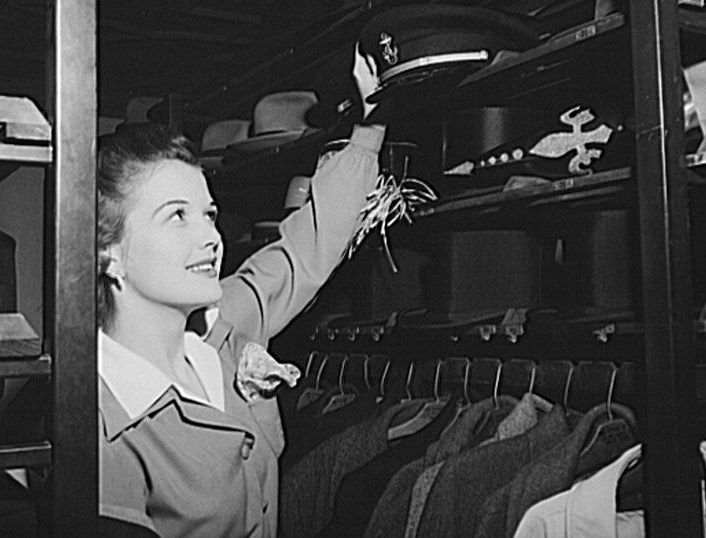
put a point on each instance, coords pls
(178, 215)
(212, 215)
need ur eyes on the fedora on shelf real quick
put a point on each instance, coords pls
(419, 44)
(278, 118)
(137, 108)
(217, 137)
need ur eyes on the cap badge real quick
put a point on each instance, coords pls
(389, 51)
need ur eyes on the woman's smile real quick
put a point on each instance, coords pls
(205, 268)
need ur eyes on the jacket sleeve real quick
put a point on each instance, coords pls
(279, 280)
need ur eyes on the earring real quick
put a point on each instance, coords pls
(117, 279)
(120, 281)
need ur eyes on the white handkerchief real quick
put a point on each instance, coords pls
(259, 374)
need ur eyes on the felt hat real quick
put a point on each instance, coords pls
(471, 280)
(218, 136)
(278, 118)
(420, 43)
(137, 108)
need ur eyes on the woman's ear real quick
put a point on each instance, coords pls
(111, 264)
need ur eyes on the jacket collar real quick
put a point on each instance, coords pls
(591, 508)
(229, 343)
(137, 384)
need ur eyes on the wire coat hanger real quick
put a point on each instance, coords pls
(611, 435)
(342, 398)
(366, 373)
(383, 377)
(466, 380)
(496, 386)
(426, 414)
(309, 395)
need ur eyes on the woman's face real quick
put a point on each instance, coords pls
(171, 251)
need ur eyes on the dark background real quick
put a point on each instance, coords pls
(221, 55)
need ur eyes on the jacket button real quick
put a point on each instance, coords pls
(246, 447)
(265, 506)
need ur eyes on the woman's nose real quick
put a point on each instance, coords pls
(212, 238)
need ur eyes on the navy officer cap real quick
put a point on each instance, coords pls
(412, 43)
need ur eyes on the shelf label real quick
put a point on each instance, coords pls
(585, 33)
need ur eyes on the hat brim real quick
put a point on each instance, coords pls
(443, 35)
(268, 141)
(212, 159)
(425, 82)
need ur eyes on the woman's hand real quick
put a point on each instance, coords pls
(366, 78)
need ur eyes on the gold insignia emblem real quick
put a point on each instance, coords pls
(389, 51)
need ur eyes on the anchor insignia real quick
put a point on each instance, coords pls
(389, 51)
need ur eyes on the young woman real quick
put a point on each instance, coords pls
(189, 432)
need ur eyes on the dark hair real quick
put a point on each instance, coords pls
(123, 157)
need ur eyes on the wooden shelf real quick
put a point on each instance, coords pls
(26, 367)
(696, 162)
(556, 44)
(566, 58)
(580, 189)
(25, 455)
(25, 153)
(613, 337)
(692, 19)
(25, 134)
(21, 120)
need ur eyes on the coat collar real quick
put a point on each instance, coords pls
(230, 344)
(591, 508)
(137, 384)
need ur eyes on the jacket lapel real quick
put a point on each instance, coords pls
(264, 413)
